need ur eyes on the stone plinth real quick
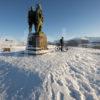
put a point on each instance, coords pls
(37, 43)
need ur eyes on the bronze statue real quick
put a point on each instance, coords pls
(35, 17)
(30, 19)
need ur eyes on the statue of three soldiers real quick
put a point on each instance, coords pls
(35, 17)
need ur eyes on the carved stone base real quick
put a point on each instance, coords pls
(36, 43)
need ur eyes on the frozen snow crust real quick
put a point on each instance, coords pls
(70, 75)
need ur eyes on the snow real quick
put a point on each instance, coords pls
(70, 75)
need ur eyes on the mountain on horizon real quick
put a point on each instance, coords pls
(91, 39)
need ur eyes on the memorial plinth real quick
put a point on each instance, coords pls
(36, 43)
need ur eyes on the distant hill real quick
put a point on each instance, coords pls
(77, 41)
(90, 39)
(93, 39)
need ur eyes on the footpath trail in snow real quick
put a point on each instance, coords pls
(71, 75)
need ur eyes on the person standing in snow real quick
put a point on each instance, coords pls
(62, 43)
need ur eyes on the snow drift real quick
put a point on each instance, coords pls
(70, 75)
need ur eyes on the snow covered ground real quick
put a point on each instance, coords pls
(70, 75)
(12, 44)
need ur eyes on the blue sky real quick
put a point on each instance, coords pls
(68, 18)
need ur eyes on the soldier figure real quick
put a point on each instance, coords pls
(39, 19)
(30, 19)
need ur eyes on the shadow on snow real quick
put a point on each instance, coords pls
(18, 84)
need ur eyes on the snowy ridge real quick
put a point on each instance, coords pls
(71, 75)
